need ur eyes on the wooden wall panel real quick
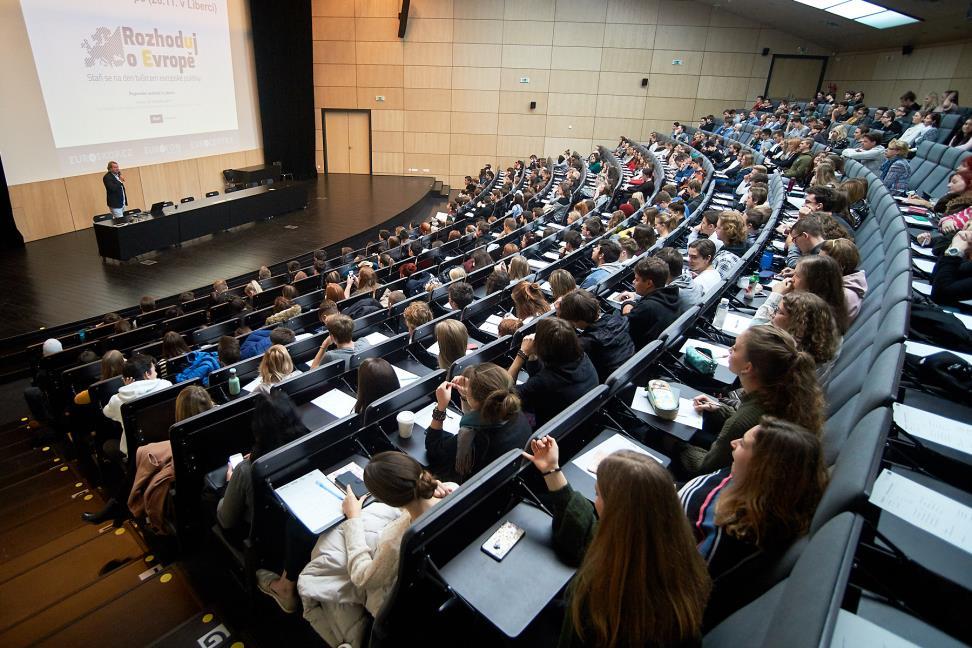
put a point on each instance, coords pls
(41, 209)
(171, 181)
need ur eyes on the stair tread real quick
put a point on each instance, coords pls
(204, 629)
(32, 591)
(45, 528)
(156, 605)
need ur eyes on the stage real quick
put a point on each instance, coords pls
(62, 279)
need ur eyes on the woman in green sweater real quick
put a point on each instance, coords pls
(777, 379)
(640, 580)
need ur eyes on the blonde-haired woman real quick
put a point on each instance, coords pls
(275, 367)
(518, 268)
(561, 283)
(896, 171)
(453, 340)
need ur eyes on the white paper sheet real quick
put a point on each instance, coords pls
(924, 265)
(551, 256)
(779, 246)
(335, 402)
(313, 500)
(917, 221)
(965, 319)
(537, 264)
(423, 418)
(686, 411)
(252, 385)
(613, 297)
(434, 349)
(491, 325)
(923, 350)
(932, 427)
(375, 338)
(852, 631)
(404, 377)
(302, 336)
(719, 353)
(442, 217)
(922, 250)
(590, 459)
(795, 201)
(350, 467)
(736, 324)
(922, 287)
(925, 508)
(546, 287)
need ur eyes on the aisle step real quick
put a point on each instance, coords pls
(137, 618)
(14, 512)
(68, 610)
(50, 550)
(37, 589)
(203, 629)
(30, 466)
(18, 459)
(42, 482)
(46, 528)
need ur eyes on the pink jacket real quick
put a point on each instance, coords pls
(855, 287)
(959, 218)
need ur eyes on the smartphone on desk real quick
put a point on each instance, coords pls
(348, 478)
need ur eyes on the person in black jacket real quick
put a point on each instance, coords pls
(952, 282)
(658, 306)
(115, 190)
(604, 337)
(560, 371)
(492, 423)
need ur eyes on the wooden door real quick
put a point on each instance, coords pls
(347, 136)
(359, 142)
(336, 140)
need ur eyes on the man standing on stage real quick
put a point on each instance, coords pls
(115, 189)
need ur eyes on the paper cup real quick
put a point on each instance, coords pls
(406, 420)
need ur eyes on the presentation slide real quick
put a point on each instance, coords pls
(136, 81)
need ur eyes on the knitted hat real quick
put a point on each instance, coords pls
(52, 346)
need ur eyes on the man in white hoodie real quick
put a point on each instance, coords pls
(140, 378)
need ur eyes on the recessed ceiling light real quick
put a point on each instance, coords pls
(819, 4)
(887, 20)
(854, 9)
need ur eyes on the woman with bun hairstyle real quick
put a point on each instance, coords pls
(492, 422)
(777, 379)
(640, 579)
(528, 301)
(354, 566)
(762, 502)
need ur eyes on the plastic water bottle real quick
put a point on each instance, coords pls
(234, 381)
(720, 314)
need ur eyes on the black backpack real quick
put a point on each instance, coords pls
(933, 325)
(947, 373)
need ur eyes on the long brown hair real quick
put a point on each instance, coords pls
(774, 502)
(191, 401)
(528, 300)
(112, 364)
(453, 339)
(642, 581)
(824, 278)
(812, 325)
(787, 377)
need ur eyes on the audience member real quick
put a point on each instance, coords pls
(604, 337)
(376, 378)
(340, 329)
(275, 367)
(452, 339)
(700, 256)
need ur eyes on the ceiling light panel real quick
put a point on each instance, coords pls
(886, 20)
(820, 4)
(855, 9)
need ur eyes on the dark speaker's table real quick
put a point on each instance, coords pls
(181, 223)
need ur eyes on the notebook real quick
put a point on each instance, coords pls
(314, 500)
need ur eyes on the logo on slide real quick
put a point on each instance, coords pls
(104, 48)
(108, 48)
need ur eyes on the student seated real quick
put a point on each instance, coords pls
(759, 504)
(634, 527)
(560, 372)
(460, 295)
(340, 328)
(689, 294)
(275, 423)
(952, 281)
(528, 301)
(731, 230)
(203, 363)
(415, 315)
(354, 567)
(603, 336)
(606, 255)
(112, 364)
(700, 256)
(654, 303)
(820, 275)
(140, 378)
(561, 282)
(376, 378)
(453, 340)
(845, 253)
(492, 422)
(275, 366)
(805, 239)
(777, 379)
(810, 320)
